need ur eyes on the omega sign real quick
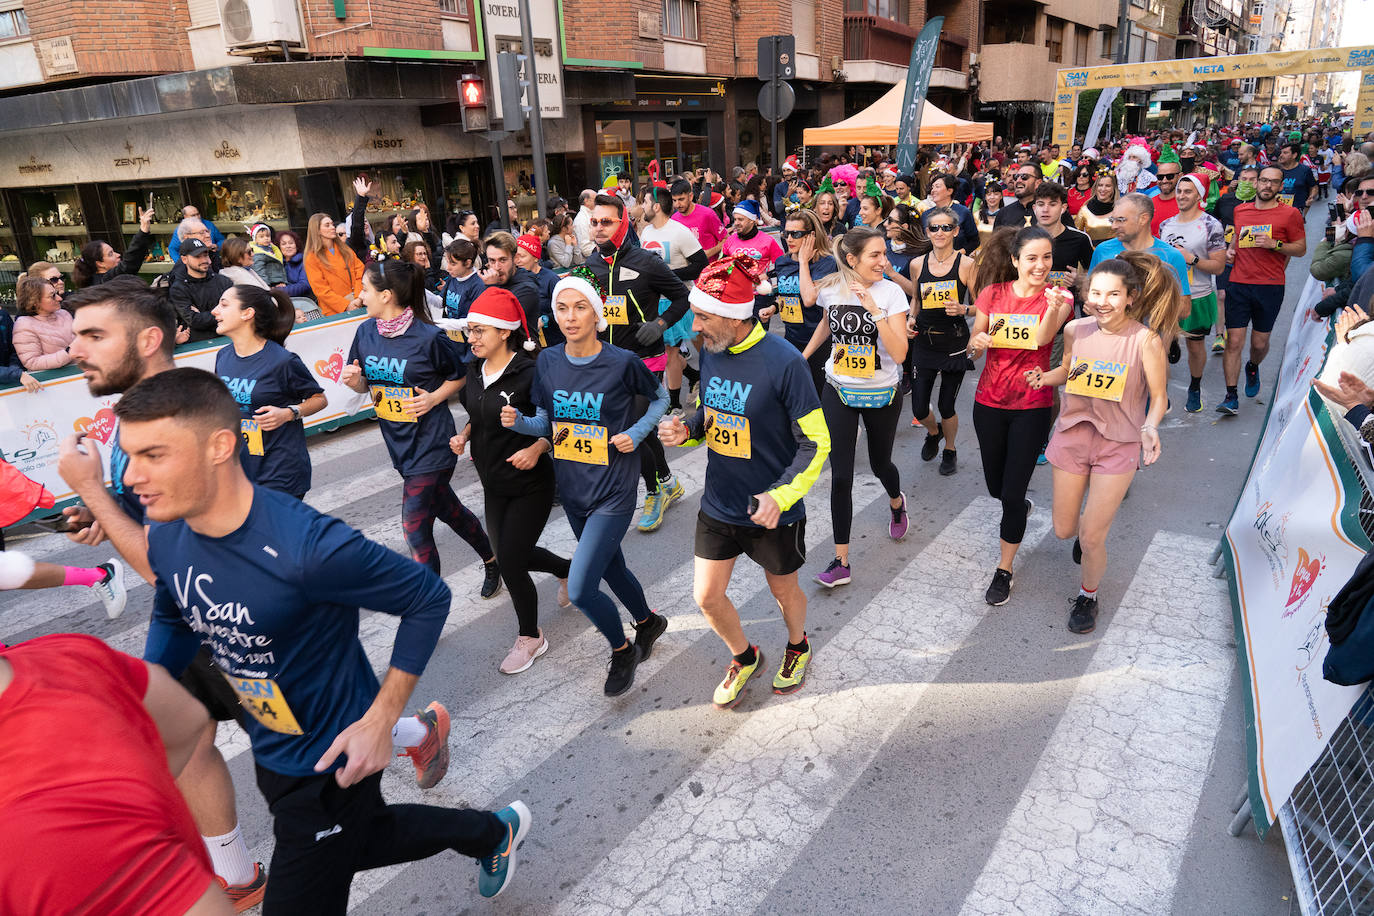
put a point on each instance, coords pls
(225, 151)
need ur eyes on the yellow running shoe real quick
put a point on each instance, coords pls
(792, 672)
(731, 690)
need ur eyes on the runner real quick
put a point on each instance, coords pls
(586, 396)
(1267, 234)
(865, 316)
(1201, 240)
(635, 280)
(273, 388)
(1018, 317)
(807, 262)
(768, 441)
(97, 825)
(274, 588)
(516, 474)
(19, 570)
(939, 325)
(411, 369)
(1114, 364)
(1242, 191)
(679, 247)
(124, 333)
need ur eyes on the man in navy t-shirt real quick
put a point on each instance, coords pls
(274, 588)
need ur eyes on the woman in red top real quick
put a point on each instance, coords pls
(1116, 374)
(1018, 318)
(1081, 191)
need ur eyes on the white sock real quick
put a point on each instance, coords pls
(409, 732)
(1083, 590)
(230, 858)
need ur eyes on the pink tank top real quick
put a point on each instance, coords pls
(1106, 364)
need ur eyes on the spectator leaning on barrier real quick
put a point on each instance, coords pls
(297, 284)
(11, 369)
(334, 271)
(268, 260)
(195, 289)
(43, 331)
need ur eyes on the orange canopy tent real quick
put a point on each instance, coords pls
(877, 125)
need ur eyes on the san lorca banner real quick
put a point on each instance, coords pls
(1292, 542)
(32, 425)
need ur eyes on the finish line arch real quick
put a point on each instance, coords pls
(1070, 81)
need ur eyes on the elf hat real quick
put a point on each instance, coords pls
(611, 183)
(578, 281)
(728, 286)
(498, 308)
(1199, 181)
(748, 209)
(790, 164)
(531, 245)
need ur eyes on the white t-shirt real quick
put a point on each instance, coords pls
(854, 328)
(674, 243)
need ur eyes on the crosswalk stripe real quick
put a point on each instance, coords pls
(804, 753)
(1104, 821)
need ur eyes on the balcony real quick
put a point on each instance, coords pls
(875, 38)
(1015, 72)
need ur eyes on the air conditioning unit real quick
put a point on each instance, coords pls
(245, 23)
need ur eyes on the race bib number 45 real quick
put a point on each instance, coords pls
(1098, 378)
(264, 701)
(615, 310)
(856, 360)
(580, 442)
(252, 436)
(938, 294)
(728, 434)
(389, 403)
(1014, 332)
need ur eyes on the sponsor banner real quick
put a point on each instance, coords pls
(32, 425)
(1364, 104)
(1065, 117)
(1238, 66)
(1292, 542)
(914, 100)
(1100, 113)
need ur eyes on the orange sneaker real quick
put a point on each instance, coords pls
(431, 755)
(246, 896)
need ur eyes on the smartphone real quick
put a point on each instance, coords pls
(753, 505)
(1333, 212)
(58, 524)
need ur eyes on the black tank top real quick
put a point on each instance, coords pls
(940, 291)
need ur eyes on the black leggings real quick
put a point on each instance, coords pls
(924, 383)
(1010, 440)
(880, 423)
(514, 524)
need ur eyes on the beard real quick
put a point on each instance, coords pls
(126, 374)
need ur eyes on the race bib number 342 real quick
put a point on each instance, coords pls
(1014, 331)
(615, 310)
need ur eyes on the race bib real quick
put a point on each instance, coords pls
(1248, 234)
(615, 310)
(264, 701)
(580, 442)
(790, 308)
(1190, 277)
(1099, 378)
(389, 403)
(1286, 199)
(938, 294)
(456, 336)
(252, 436)
(1014, 332)
(728, 434)
(1230, 234)
(1058, 278)
(855, 360)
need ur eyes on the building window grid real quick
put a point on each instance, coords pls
(13, 24)
(454, 8)
(680, 19)
(1054, 38)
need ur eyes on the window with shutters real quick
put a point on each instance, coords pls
(203, 12)
(13, 22)
(1054, 38)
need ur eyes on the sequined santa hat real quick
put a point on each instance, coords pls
(728, 286)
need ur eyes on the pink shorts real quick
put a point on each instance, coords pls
(1081, 449)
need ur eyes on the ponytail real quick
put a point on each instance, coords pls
(87, 265)
(274, 314)
(996, 258)
(1157, 298)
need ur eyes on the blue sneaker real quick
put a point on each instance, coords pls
(1194, 402)
(1252, 382)
(1041, 459)
(496, 870)
(1230, 405)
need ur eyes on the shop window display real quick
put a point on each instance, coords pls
(165, 200)
(236, 202)
(10, 265)
(57, 223)
(399, 190)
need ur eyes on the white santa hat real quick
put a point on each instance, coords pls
(587, 291)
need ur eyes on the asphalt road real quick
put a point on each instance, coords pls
(945, 757)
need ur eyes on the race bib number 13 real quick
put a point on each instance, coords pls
(264, 701)
(728, 434)
(389, 403)
(1098, 378)
(580, 442)
(1014, 331)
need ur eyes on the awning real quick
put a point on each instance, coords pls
(877, 125)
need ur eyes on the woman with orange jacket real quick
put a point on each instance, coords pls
(334, 271)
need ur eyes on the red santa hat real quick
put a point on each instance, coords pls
(728, 286)
(790, 164)
(1199, 181)
(498, 308)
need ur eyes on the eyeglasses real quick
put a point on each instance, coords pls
(1024, 177)
(602, 223)
(939, 227)
(1359, 192)
(1118, 220)
(1168, 176)
(797, 233)
(476, 330)
(1269, 181)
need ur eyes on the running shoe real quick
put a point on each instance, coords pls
(1194, 402)
(915, 423)
(430, 756)
(949, 462)
(730, 690)
(1219, 345)
(1175, 352)
(491, 580)
(931, 447)
(497, 870)
(1077, 551)
(249, 894)
(1252, 385)
(652, 516)
(111, 590)
(1030, 505)
(1230, 405)
(563, 599)
(792, 673)
(837, 573)
(999, 592)
(1083, 617)
(1041, 459)
(523, 653)
(647, 633)
(900, 524)
(670, 491)
(620, 671)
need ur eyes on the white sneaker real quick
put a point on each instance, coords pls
(111, 590)
(523, 653)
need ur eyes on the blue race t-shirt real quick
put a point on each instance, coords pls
(271, 377)
(276, 601)
(752, 399)
(423, 357)
(1167, 253)
(587, 405)
(126, 497)
(788, 273)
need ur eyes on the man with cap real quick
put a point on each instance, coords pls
(767, 440)
(194, 288)
(1201, 239)
(527, 257)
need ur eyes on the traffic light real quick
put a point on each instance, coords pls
(473, 91)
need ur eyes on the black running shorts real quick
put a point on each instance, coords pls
(780, 551)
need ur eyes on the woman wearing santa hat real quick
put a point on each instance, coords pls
(515, 469)
(584, 396)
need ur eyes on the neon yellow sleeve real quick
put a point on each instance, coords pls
(813, 447)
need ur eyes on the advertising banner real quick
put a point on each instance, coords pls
(1100, 112)
(32, 425)
(917, 83)
(1364, 104)
(1292, 542)
(1237, 66)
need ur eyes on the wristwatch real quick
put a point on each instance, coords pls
(295, 412)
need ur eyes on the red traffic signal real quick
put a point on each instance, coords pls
(473, 91)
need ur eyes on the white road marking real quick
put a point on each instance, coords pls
(1104, 821)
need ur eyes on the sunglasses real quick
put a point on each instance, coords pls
(939, 227)
(1359, 192)
(797, 233)
(602, 223)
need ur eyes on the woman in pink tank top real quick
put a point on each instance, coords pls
(1114, 374)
